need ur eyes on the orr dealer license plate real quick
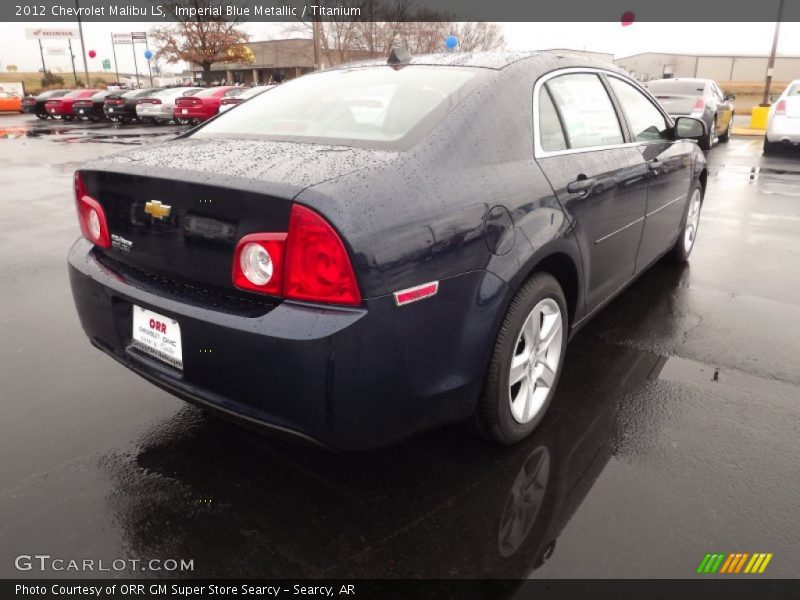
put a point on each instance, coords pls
(158, 336)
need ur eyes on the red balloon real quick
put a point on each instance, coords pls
(92, 53)
(628, 18)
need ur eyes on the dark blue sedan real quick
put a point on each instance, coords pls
(370, 251)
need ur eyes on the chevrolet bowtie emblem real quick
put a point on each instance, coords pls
(157, 210)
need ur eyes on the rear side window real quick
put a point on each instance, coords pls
(373, 106)
(586, 110)
(646, 121)
(551, 136)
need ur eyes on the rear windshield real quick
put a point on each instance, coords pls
(208, 92)
(794, 90)
(681, 88)
(377, 107)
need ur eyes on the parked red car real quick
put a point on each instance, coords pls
(201, 106)
(61, 108)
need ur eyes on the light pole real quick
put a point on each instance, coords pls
(771, 63)
(83, 46)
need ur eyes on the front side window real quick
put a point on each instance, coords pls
(373, 106)
(645, 120)
(586, 110)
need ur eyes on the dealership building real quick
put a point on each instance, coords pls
(276, 60)
(738, 68)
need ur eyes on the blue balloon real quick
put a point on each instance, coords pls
(148, 54)
(450, 42)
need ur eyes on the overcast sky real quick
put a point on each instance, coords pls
(704, 38)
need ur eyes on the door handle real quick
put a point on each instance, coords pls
(653, 166)
(580, 186)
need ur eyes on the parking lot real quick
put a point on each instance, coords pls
(673, 433)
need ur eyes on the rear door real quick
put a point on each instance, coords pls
(599, 177)
(669, 164)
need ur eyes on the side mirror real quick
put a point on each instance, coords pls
(773, 98)
(730, 97)
(689, 128)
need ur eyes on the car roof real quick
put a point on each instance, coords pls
(495, 60)
(683, 80)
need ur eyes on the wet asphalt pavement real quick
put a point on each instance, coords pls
(674, 431)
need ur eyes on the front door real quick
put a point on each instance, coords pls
(669, 163)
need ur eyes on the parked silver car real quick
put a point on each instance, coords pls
(699, 98)
(159, 106)
(783, 122)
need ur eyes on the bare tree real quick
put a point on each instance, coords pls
(202, 38)
(388, 23)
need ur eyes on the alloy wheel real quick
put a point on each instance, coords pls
(534, 363)
(692, 222)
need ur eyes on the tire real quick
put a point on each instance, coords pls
(708, 141)
(689, 226)
(725, 137)
(507, 413)
(770, 147)
(42, 116)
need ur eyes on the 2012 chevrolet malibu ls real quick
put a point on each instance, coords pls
(378, 249)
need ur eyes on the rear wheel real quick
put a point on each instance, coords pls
(770, 147)
(526, 362)
(691, 222)
(727, 135)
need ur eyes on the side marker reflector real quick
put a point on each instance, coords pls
(420, 292)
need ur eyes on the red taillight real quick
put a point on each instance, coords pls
(309, 263)
(780, 107)
(91, 215)
(149, 101)
(317, 265)
(699, 106)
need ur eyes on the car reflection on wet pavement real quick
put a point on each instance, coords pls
(673, 432)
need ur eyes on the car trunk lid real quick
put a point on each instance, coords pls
(178, 209)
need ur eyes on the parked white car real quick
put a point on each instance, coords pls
(783, 123)
(160, 106)
(229, 101)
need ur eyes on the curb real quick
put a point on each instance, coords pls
(747, 131)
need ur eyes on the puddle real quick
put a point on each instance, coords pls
(88, 134)
(684, 370)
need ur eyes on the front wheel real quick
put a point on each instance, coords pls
(526, 362)
(708, 140)
(691, 222)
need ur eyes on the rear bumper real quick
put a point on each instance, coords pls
(58, 111)
(118, 112)
(349, 379)
(154, 111)
(784, 129)
(191, 113)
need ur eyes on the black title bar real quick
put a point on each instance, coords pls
(393, 10)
